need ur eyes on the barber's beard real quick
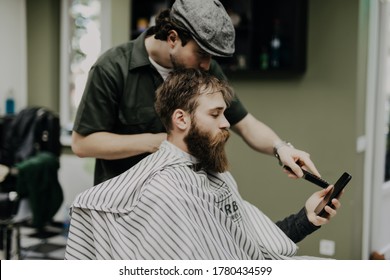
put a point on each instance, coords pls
(210, 151)
(175, 63)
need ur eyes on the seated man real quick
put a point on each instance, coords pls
(181, 202)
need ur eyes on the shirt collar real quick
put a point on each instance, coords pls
(139, 55)
(164, 72)
(173, 149)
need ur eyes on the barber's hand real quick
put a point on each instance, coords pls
(312, 203)
(290, 156)
(155, 141)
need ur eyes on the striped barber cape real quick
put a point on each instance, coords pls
(163, 208)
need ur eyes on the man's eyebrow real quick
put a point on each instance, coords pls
(219, 108)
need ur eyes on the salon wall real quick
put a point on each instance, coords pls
(318, 112)
(43, 47)
(43, 53)
(13, 53)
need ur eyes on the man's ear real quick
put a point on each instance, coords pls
(172, 38)
(181, 119)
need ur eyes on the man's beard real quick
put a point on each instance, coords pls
(176, 65)
(210, 151)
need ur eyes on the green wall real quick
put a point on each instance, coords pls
(317, 113)
(120, 15)
(43, 47)
(321, 112)
(43, 53)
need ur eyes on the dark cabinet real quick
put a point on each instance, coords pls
(271, 35)
(143, 13)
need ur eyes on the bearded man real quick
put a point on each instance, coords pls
(181, 202)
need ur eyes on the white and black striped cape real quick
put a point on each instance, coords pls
(164, 209)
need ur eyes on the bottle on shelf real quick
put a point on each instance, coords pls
(264, 58)
(275, 45)
(10, 103)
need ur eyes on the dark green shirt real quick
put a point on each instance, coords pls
(119, 98)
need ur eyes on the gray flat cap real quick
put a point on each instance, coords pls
(209, 24)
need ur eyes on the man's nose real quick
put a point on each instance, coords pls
(225, 123)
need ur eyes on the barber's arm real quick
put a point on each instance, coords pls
(263, 139)
(105, 145)
(96, 117)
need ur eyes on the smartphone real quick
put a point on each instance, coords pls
(334, 193)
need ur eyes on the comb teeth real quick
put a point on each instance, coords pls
(315, 179)
(311, 178)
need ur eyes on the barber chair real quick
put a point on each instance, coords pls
(14, 214)
(17, 228)
(30, 193)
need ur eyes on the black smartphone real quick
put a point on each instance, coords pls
(334, 193)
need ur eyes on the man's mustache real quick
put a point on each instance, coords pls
(222, 136)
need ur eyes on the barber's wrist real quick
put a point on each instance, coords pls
(278, 145)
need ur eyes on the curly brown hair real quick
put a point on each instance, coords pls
(164, 24)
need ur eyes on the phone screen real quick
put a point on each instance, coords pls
(334, 193)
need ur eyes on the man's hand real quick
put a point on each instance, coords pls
(290, 156)
(312, 203)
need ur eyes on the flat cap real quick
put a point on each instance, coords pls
(208, 23)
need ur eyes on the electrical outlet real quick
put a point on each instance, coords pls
(327, 247)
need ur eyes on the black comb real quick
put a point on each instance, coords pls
(311, 178)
